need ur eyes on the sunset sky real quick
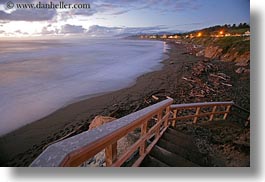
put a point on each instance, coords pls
(113, 17)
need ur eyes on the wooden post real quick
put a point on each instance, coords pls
(166, 119)
(213, 112)
(227, 111)
(111, 154)
(159, 117)
(143, 132)
(175, 117)
(197, 113)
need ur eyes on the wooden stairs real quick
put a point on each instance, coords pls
(174, 149)
(160, 144)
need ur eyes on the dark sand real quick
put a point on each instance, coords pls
(21, 147)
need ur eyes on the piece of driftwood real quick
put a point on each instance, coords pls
(155, 97)
(187, 79)
(224, 75)
(146, 101)
(218, 76)
(226, 84)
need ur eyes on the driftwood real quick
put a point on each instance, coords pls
(226, 84)
(189, 80)
(146, 101)
(224, 75)
(155, 97)
(217, 76)
(209, 88)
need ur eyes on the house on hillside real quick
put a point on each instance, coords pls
(247, 33)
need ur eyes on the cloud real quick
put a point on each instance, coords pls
(72, 29)
(45, 31)
(28, 15)
(111, 7)
(120, 12)
(102, 31)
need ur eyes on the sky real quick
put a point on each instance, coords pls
(119, 17)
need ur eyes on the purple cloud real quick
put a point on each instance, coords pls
(72, 29)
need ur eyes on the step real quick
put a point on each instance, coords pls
(150, 161)
(186, 144)
(179, 134)
(170, 158)
(195, 157)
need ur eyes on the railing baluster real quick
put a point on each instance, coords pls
(143, 132)
(213, 113)
(159, 117)
(111, 154)
(227, 111)
(175, 117)
(166, 120)
(197, 113)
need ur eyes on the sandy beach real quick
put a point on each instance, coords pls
(21, 147)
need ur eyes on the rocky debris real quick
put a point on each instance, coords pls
(192, 49)
(200, 53)
(220, 142)
(243, 140)
(100, 120)
(202, 67)
(213, 52)
(243, 59)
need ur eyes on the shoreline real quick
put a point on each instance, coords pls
(27, 142)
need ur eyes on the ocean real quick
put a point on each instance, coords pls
(38, 77)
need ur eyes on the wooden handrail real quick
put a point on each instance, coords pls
(240, 108)
(214, 105)
(201, 104)
(198, 106)
(77, 149)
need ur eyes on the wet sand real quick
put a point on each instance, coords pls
(21, 147)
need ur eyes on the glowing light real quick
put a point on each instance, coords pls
(221, 32)
(199, 34)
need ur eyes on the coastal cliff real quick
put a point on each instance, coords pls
(228, 49)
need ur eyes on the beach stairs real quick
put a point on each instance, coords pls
(174, 149)
(159, 144)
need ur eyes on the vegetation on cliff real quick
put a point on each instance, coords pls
(227, 42)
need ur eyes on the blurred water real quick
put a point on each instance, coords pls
(38, 77)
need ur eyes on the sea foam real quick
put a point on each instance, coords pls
(37, 77)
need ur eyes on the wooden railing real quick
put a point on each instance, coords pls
(152, 122)
(78, 149)
(205, 111)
